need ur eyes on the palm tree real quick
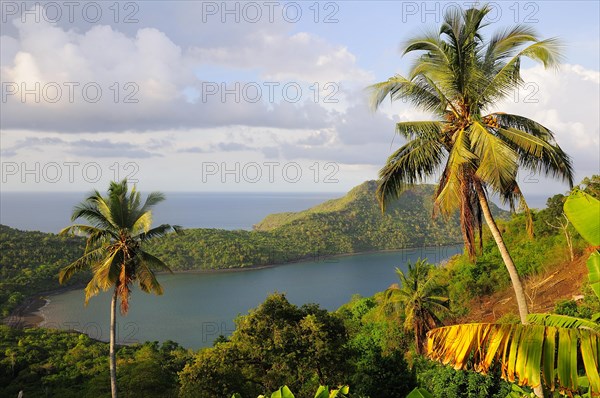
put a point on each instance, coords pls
(458, 78)
(419, 296)
(119, 227)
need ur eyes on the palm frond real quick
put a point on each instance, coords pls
(563, 321)
(497, 162)
(87, 260)
(90, 211)
(430, 130)
(105, 274)
(398, 88)
(527, 144)
(147, 280)
(412, 163)
(503, 43)
(449, 195)
(507, 120)
(142, 222)
(153, 262)
(116, 204)
(152, 200)
(508, 76)
(159, 232)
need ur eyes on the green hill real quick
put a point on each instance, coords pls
(407, 222)
(30, 261)
(353, 223)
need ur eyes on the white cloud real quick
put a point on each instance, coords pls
(102, 80)
(568, 102)
(280, 56)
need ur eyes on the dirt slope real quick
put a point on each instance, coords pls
(562, 282)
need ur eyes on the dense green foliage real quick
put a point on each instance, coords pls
(276, 344)
(49, 363)
(363, 344)
(421, 298)
(29, 263)
(487, 274)
(445, 382)
(322, 392)
(351, 224)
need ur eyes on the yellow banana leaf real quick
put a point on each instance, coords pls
(528, 354)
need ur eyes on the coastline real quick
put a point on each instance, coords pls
(29, 314)
(318, 258)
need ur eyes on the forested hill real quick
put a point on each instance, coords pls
(414, 208)
(351, 224)
(406, 222)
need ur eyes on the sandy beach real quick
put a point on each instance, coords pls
(27, 315)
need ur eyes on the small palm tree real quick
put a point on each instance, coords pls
(119, 227)
(458, 78)
(419, 297)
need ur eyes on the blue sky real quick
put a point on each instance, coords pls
(178, 106)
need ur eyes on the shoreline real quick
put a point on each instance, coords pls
(29, 314)
(316, 259)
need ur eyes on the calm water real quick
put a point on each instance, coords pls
(50, 212)
(196, 308)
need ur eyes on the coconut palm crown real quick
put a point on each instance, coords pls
(458, 78)
(119, 225)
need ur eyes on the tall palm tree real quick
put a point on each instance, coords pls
(119, 225)
(419, 297)
(458, 78)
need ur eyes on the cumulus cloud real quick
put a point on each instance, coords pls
(164, 65)
(567, 102)
(301, 56)
(109, 81)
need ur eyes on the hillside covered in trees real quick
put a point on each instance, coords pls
(351, 224)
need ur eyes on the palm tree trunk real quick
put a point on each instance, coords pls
(112, 355)
(510, 265)
(418, 344)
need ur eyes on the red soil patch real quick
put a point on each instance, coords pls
(561, 282)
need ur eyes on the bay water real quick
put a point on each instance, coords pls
(197, 307)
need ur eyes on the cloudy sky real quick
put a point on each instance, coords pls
(258, 96)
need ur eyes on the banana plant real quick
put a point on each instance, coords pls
(419, 393)
(545, 351)
(583, 211)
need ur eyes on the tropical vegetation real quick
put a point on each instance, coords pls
(420, 296)
(550, 351)
(370, 346)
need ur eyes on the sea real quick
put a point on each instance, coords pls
(51, 211)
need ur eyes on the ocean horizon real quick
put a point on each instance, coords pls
(51, 211)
